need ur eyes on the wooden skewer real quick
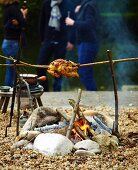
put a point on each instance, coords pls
(80, 65)
(106, 62)
(21, 63)
(25, 65)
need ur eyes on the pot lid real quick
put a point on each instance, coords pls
(28, 75)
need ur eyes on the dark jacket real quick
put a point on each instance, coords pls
(49, 33)
(86, 22)
(11, 12)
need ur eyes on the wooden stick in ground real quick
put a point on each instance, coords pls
(18, 107)
(115, 129)
(74, 114)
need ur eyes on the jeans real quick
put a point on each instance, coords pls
(10, 48)
(87, 54)
(51, 50)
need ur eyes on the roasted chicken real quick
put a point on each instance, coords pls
(62, 67)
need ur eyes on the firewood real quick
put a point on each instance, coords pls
(80, 132)
(74, 114)
(102, 125)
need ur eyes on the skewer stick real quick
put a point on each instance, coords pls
(80, 65)
(25, 65)
(69, 14)
(106, 62)
(21, 63)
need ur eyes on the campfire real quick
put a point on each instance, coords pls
(55, 131)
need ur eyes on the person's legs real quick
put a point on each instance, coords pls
(59, 52)
(44, 59)
(87, 54)
(10, 48)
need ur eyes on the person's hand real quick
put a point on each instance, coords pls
(69, 46)
(15, 22)
(69, 21)
(24, 12)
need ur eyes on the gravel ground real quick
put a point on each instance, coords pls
(124, 158)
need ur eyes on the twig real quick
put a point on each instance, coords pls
(74, 114)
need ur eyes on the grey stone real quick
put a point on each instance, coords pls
(86, 145)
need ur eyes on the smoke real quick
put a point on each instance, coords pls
(116, 34)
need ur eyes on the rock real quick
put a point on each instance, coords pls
(84, 153)
(52, 144)
(106, 142)
(86, 145)
(96, 150)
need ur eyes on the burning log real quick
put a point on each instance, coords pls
(82, 128)
(80, 132)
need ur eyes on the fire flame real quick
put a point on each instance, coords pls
(82, 129)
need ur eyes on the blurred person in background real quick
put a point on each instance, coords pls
(56, 37)
(86, 34)
(14, 23)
